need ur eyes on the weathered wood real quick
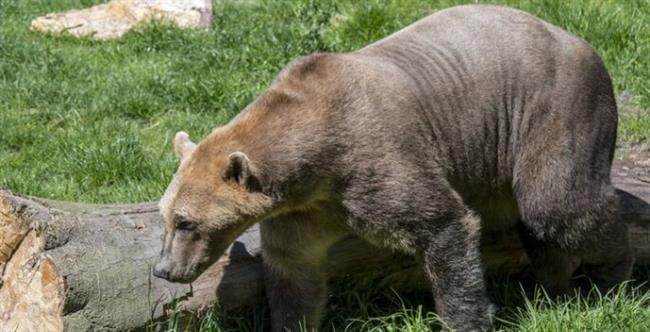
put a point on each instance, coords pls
(83, 267)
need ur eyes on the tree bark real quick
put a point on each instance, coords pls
(85, 267)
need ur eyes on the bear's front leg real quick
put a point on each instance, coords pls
(296, 296)
(452, 263)
(295, 253)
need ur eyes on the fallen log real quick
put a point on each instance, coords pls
(85, 267)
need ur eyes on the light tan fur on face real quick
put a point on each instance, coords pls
(205, 192)
(200, 192)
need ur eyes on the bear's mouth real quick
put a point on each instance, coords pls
(195, 270)
(187, 276)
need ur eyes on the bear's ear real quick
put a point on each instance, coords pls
(242, 171)
(182, 145)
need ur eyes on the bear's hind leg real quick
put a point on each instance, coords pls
(550, 265)
(608, 258)
(570, 218)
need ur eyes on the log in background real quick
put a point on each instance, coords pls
(86, 267)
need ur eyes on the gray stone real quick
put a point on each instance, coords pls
(114, 19)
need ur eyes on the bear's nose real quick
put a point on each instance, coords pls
(161, 272)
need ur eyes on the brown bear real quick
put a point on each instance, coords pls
(474, 117)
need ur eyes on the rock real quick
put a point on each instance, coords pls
(114, 19)
(626, 97)
(627, 104)
(636, 157)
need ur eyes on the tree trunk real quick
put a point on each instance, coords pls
(84, 267)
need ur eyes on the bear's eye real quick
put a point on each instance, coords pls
(182, 223)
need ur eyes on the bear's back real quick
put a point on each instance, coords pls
(491, 84)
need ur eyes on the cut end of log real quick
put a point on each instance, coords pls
(30, 285)
(12, 228)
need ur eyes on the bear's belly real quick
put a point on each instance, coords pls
(496, 212)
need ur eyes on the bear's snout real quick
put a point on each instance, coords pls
(171, 271)
(161, 269)
(161, 272)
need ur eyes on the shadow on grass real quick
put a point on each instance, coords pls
(369, 306)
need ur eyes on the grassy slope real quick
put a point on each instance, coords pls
(90, 121)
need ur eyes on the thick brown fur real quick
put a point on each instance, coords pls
(474, 117)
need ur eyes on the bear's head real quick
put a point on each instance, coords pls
(214, 197)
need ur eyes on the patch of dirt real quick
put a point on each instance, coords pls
(635, 159)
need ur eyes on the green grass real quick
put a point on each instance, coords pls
(93, 121)
(377, 309)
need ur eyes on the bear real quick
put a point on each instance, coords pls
(474, 118)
